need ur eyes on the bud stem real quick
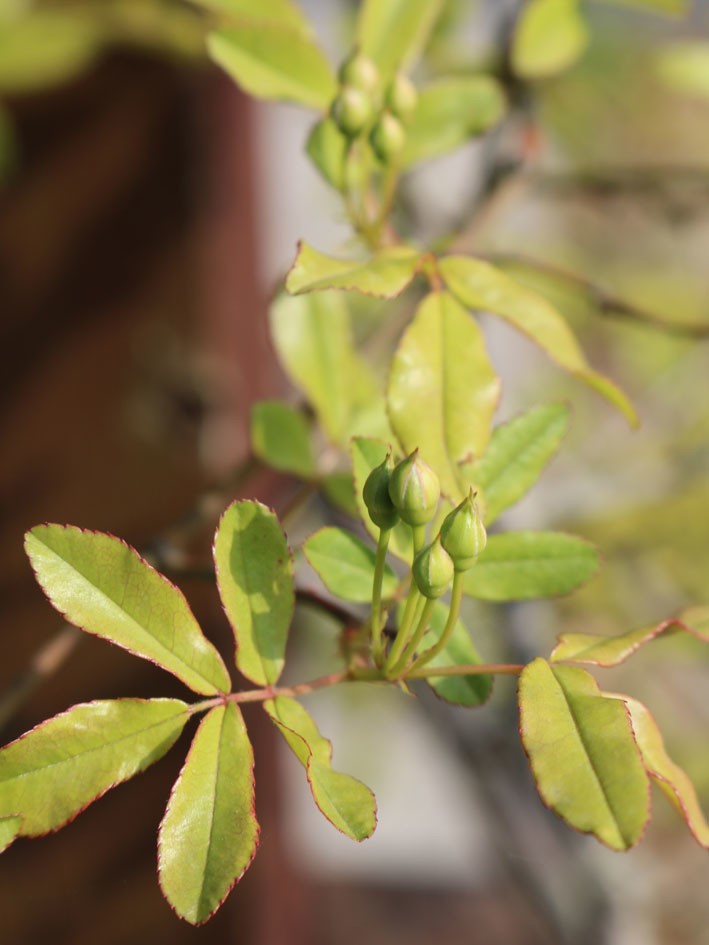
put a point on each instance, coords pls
(413, 644)
(453, 613)
(376, 618)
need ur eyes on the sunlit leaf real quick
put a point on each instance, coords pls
(469, 691)
(274, 62)
(367, 453)
(671, 779)
(394, 32)
(549, 37)
(482, 286)
(281, 13)
(385, 275)
(522, 565)
(449, 112)
(102, 585)
(443, 391)
(255, 580)
(609, 651)
(209, 833)
(280, 436)
(517, 453)
(583, 754)
(348, 804)
(684, 67)
(326, 147)
(346, 565)
(58, 768)
(9, 831)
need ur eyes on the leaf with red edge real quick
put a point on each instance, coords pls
(583, 754)
(102, 585)
(209, 834)
(348, 804)
(385, 275)
(600, 650)
(672, 780)
(54, 771)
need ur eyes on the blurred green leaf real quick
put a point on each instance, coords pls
(60, 767)
(443, 391)
(517, 453)
(103, 586)
(209, 833)
(346, 565)
(684, 67)
(326, 147)
(348, 804)
(255, 580)
(449, 112)
(523, 565)
(386, 275)
(460, 650)
(549, 37)
(482, 286)
(367, 453)
(274, 62)
(668, 7)
(339, 491)
(280, 436)
(394, 32)
(583, 754)
(280, 13)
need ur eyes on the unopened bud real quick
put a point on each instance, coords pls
(387, 137)
(401, 97)
(463, 534)
(433, 570)
(382, 510)
(352, 111)
(414, 490)
(361, 72)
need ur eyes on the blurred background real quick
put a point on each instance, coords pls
(148, 210)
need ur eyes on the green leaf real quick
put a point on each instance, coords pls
(326, 147)
(609, 651)
(394, 32)
(338, 488)
(684, 67)
(583, 754)
(274, 62)
(443, 390)
(549, 37)
(47, 47)
(482, 286)
(313, 339)
(449, 112)
(385, 276)
(348, 804)
(368, 453)
(460, 650)
(209, 834)
(346, 565)
(280, 13)
(9, 831)
(668, 7)
(103, 586)
(516, 455)
(523, 565)
(255, 580)
(669, 777)
(58, 768)
(280, 436)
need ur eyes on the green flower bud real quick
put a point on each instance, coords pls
(352, 111)
(382, 510)
(433, 570)
(401, 97)
(360, 72)
(414, 490)
(463, 534)
(387, 137)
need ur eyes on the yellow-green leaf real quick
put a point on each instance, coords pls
(280, 436)
(348, 804)
(103, 586)
(326, 147)
(549, 37)
(255, 580)
(9, 831)
(209, 834)
(394, 32)
(385, 275)
(482, 286)
(583, 754)
(54, 771)
(281, 13)
(346, 565)
(470, 691)
(443, 391)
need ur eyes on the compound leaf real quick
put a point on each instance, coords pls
(517, 453)
(482, 286)
(54, 771)
(346, 565)
(449, 112)
(394, 32)
(209, 834)
(443, 391)
(102, 585)
(549, 37)
(274, 62)
(385, 275)
(367, 453)
(280, 436)
(348, 804)
(583, 754)
(255, 580)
